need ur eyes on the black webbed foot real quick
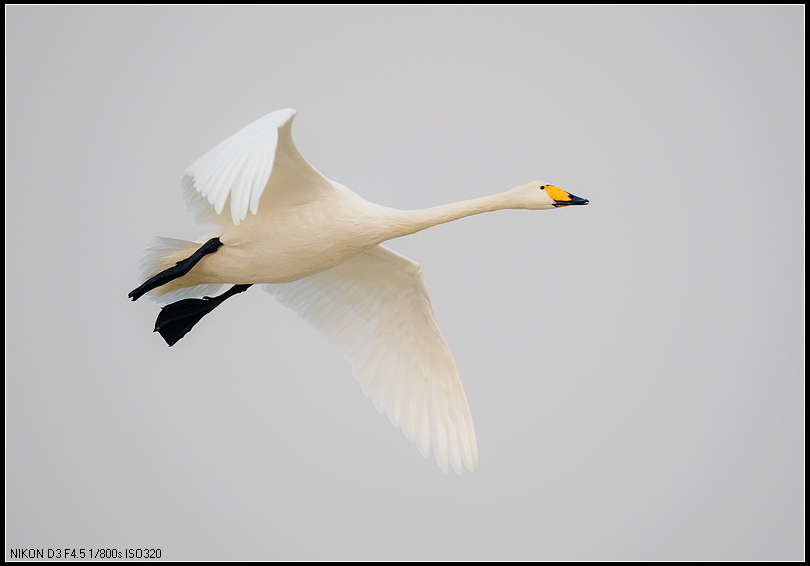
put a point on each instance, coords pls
(177, 319)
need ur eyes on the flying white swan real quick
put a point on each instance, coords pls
(316, 246)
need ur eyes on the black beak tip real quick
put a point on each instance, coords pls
(572, 200)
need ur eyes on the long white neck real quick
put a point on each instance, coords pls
(411, 221)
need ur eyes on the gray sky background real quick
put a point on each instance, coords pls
(635, 368)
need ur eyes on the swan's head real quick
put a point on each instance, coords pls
(538, 195)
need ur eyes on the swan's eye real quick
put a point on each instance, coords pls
(543, 188)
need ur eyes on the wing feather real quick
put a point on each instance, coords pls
(376, 309)
(258, 160)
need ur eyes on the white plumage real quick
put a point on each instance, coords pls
(316, 247)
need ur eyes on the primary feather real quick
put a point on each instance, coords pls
(375, 308)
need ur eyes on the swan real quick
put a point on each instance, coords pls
(316, 246)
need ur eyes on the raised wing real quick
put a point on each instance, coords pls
(259, 164)
(375, 308)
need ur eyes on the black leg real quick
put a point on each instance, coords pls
(177, 319)
(178, 270)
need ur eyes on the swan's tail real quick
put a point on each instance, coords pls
(163, 254)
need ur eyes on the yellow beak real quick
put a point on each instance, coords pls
(563, 198)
